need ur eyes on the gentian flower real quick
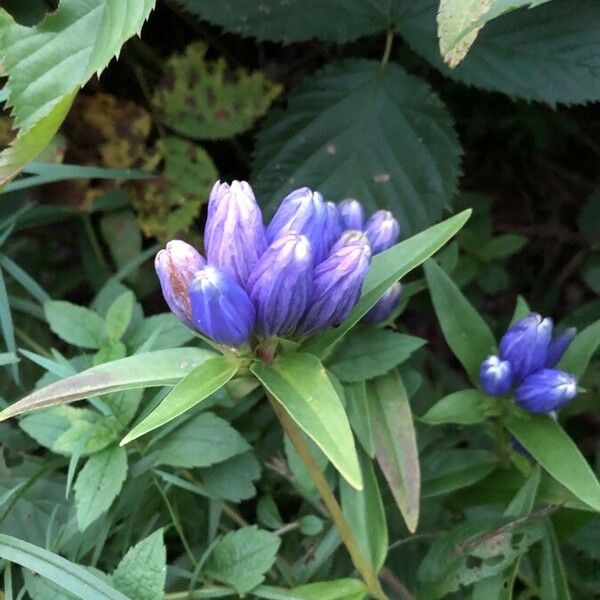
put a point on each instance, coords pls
(546, 390)
(559, 345)
(495, 376)
(525, 345)
(302, 211)
(385, 306)
(333, 227)
(234, 236)
(353, 215)
(221, 308)
(337, 283)
(383, 231)
(176, 267)
(281, 283)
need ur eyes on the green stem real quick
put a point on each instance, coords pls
(389, 39)
(362, 565)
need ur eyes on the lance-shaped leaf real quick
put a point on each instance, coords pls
(548, 443)
(196, 386)
(387, 268)
(578, 355)
(300, 384)
(163, 367)
(396, 444)
(465, 407)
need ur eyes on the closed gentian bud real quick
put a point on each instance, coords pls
(234, 236)
(385, 306)
(333, 227)
(280, 285)
(221, 308)
(353, 215)
(559, 345)
(546, 390)
(383, 231)
(495, 376)
(525, 345)
(176, 266)
(302, 211)
(337, 284)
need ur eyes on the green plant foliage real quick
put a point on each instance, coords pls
(465, 407)
(242, 558)
(527, 54)
(233, 479)
(334, 137)
(206, 100)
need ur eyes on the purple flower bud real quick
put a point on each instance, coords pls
(525, 345)
(302, 211)
(221, 308)
(383, 231)
(234, 236)
(176, 266)
(546, 390)
(385, 306)
(353, 215)
(337, 284)
(280, 284)
(495, 376)
(559, 345)
(333, 227)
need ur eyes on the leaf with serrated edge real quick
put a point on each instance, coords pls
(163, 367)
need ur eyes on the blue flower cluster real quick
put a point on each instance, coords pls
(528, 353)
(301, 274)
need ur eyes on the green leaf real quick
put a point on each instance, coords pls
(123, 236)
(335, 136)
(142, 571)
(99, 483)
(69, 576)
(233, 478)
(548, 443)
(339, 589)
(502, 246)
(6, 324)
(358, 407)
(465, 407)
(119, 315)
(578, 355)
(369, 353)
(207, 100)
(465, 331)
(448, 470)
(521, 310)
(310, 524)
(171, 332)
(242, 558)
(46, 62)
(300, 384)
(163, 367)
(395, 444)
(365, 514)
(75, 324)
(196, 386)
(529, 54)
(296, 20)
(29, 13)
(554, 584)
(387, 268)
(200, 442)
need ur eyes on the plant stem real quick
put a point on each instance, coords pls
(360, 562)
(389, 39)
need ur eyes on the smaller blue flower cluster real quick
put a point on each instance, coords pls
(301, 274)
(528, 353)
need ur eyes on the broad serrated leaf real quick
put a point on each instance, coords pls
(547, 54)
(369, 353)
(119, 315)
(242, 558)
(355, 129)
(99, 483)
(171, 332)
(169, 203)
(75, 324)
(142, 571)
(200, 442)
(295, 20)
(232, 479)
(207, 100)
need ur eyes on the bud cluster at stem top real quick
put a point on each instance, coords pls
(528, 353)
(299, 275)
